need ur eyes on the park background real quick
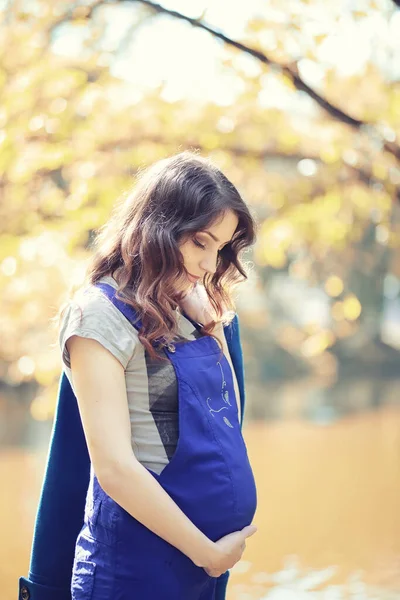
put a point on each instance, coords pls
(299, 103)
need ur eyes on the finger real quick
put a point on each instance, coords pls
(212, 573)
(249, 530)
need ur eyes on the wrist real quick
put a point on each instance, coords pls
(208, 556)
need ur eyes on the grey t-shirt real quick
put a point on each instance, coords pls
(151, 384)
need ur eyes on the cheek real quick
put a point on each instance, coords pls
(188, 254)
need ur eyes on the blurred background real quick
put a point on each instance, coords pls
(299, 104)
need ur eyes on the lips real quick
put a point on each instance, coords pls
(193, 277)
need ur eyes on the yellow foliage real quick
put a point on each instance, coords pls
(272, 256)
(330, 154)
(380, 170)
(351, 308)
(317, 343)
(337, 311)
(334, 286)
(41, 408)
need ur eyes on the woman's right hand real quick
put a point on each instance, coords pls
(228, 551)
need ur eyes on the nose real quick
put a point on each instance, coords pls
(209, 265)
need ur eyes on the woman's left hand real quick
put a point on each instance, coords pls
(197, 305)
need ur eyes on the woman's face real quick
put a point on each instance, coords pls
(200, 251)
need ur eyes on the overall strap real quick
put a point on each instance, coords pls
(129, 312)
(126, 309)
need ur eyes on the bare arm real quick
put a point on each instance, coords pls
(99, 382)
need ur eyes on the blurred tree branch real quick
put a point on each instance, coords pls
(290, 70)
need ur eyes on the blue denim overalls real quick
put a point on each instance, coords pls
(209, 477)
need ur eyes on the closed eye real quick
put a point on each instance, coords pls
(197, 243)
(203, 247)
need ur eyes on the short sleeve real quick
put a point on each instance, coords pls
(93, 316)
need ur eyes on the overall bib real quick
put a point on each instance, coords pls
(209, 477)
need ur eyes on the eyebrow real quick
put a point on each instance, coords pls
(213, 236)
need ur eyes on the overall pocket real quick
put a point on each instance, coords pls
(82, 579)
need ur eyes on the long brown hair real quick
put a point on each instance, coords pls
(139, 245)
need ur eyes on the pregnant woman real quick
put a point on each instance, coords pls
(171, 494)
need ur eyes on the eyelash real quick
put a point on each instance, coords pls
(202, 246)
(197, 243)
